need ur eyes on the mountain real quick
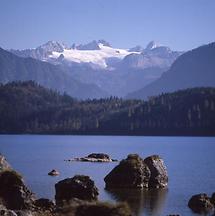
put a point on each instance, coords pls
(27, 107)
(195, 68)
(13, 68)
(152, 45)
(153, 55)
(116, 71)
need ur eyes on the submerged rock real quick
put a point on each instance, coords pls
(54, 173)
(200, 203)
(95, 157)
(134, 172)
(159, 176)
(80, 187)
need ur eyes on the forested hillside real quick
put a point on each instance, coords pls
(26, 107)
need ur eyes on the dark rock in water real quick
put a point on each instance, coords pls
(44, 204)
(99, 156)
(80, 187)
(134, 172)
(200, 203)
(94, 157)
(54, 173)
(130, 173)
(4, 165)
(13, 193)
(159, 176)
(83, 208)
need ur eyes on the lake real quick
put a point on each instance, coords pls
(190, 163)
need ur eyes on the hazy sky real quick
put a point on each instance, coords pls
(180, 24)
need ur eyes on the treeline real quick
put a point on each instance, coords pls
(26, 107)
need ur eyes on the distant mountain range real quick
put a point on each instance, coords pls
(13, 68)
(195, 68)
(115, 71)
(96, 69)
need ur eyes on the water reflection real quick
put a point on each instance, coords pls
(141, 202)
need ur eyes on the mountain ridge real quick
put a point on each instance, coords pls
(192, 69)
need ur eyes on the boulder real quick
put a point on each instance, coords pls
(159, 176)
(54, 173)
(130, 173)
(13, 193)
(80, 187)
(134, 172)
(200, 203)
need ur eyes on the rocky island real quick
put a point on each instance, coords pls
(94, 157)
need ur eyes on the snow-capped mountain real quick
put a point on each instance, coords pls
(97, 53)
(117, 71)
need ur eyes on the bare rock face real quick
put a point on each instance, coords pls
(80, 187)
(13, 193)
(159, 176)
(201, 203)
(130, 173)
(134, 172)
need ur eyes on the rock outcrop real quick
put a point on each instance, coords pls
(158, 171)
(80, 187)
(13, 192)
(201, 203)
(134, 172)
(94, 157)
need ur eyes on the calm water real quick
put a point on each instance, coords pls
(190, 163)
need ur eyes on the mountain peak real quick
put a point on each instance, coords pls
(52, 45)
(152, 45)
(104, 43)
(93, 45)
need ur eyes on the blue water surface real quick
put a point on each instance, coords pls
(189, 160)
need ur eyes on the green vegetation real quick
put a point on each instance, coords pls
(26, 107)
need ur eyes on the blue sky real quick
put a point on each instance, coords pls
(180, 24)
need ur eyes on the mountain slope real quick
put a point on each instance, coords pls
(195, 68)
(26, 107)
(14, 68)
(116, 71)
